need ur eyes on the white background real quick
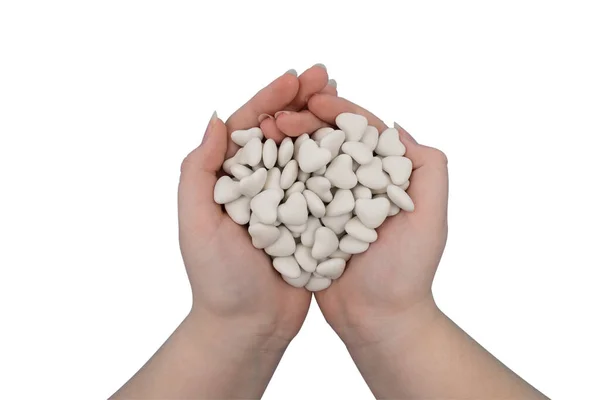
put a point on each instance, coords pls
(100, 102)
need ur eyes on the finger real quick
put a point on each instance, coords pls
(270, 129)
(429, 180)
(295, 124)
(199, 175)
(327, 107)
(276, 96)
(331, 88)
(312, 81)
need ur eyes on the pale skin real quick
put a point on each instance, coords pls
(244, 315)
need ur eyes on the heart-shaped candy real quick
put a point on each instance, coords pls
(389, 144)
(243, 136)
(294, 211)
(264, 205)
(226, 190)
(372, 212)
(399, 169)
(372, 176)
(311, 157)
(353, 125)
(340, 172)
(252, 185)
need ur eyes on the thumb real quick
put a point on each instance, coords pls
(429, 180)
(197, 208)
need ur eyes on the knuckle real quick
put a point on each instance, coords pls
(439, 157)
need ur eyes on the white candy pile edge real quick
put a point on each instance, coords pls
(312, 203)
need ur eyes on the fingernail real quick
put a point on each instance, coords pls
(320, 65)
(278, 113)
(292, 72)
(262, 117)
(332, 82)
(212, 121)
(404, 132)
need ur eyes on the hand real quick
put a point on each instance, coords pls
(385, 287)
(234, 284)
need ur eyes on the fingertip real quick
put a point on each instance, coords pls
(271, 131)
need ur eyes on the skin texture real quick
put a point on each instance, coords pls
(243, 314)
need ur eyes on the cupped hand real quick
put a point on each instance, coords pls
(385, 288)
(233, 283)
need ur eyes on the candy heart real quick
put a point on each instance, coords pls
(289, 174)
(336, 224)
(361, 192)
(400, 198)
(332, 268)
(357, 230)
(297, 230)
(389, 144)
(340, 254)
(299, 140)
(298, 282)
(252, 185)
(294, 211)
(399, 168)
(287, 266)
(269, 154)
(321, 186)
(314, 203)
(311, 157)
(286, 151)
(342, 203)
(243, 136)
(230, 162)
(226, 190)
(372, 176)
(305, 259)
(263, 235)
(239, 210)
(308, 236)
(332, 142)
(303, 176)
(372, 212)
(358, 151)
(316, 284)
(370, 137)
(296, 187)
(285, 245)
(273, 179)
(321, 133)
(353, 125)
(264, 205)
(340, 174)
(240, 171)
(326, 242)
(253, 152)
(351, 245)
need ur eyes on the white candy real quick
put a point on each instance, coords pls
(326, 242)
(331, 185)
(239, 210)
(263, 235)
(353, 125)
(351, 245)
(289, 174)
(264, 205)
(252, 185)
(400, 198)
(399, 169)
(358, 151)
(226, 190)
(305, 259)
(252, 153)
(316, 284)
(332, 268)
(269, 153)
(287, 266)
(340, 172)
(389, 144)
(332, 142)
(342, 203)
(294, 211)
(314, 203)
(285, 245)
(308, 236)
(370, 137)
(286, 152)
(312, 158)
(242, 137)
(372, 212)
(359, 231)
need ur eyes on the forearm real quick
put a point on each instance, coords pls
(438, 360)
(203, 359)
